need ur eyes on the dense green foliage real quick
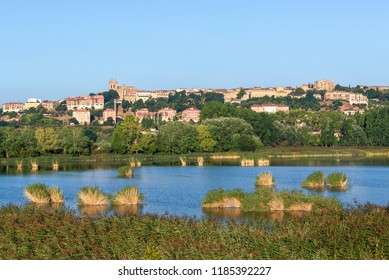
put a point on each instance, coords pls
(36, 233)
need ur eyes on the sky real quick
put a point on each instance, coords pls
(54, 49)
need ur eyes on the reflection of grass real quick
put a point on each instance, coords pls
(314, 181)
(92, 196)
(347, 234)
(128, 195)
(264, 180)
(336, 181)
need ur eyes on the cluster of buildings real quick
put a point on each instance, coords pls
(167, 114)
(81, 105)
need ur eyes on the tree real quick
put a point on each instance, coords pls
(177, 138)
(204, 138)
(74, 142)
(352, 134)
(126, 135)
(225, 130)
(214, 96)
(48, 140)
(241, 93)
(73, 121)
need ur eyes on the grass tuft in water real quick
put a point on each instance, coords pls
(92, 196)
(314, 181)
(127, 196)
(125, 171)
(264, 180)
(336, 181)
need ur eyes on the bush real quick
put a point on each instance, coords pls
(337, 181)
(128, 195)
(314, 181)
(92, 196)
(125, 171)
(38, 193)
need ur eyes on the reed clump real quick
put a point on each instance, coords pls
(337, 181)
(264, 180)
(247, 162)
(183, 161)
(126, 171)
(19, 165)
(200, 161)
(128, 196)
(92, 196)
(37, 193)
(220, 198)
(34, 166)
(314, 181)
(55, 165)
(56, 195)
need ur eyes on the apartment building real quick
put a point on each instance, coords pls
(85, 102)
(191, 114)
(82, 116)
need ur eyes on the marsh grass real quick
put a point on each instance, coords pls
(19, 165)
(359, 233)
(56, 195)
(263, 162)
(247, 162)
(336, 181)
(37, 193)
(127, 196)
(125, 171)
(55, 165)
(34, 165)
(267, 199)
(264, 180)
(220, 198)
(92, 196)
(314, 181)
(200, 161)
(183, 161)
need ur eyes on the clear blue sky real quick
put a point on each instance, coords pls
(54, 49)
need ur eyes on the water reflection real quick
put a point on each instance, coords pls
(127, 210)
(93, 211)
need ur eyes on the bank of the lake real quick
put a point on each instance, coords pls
(37, 233)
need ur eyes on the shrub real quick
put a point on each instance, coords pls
(128, 195)
(92, 196)
(38, 193)
(337, 181)
(125, 171)
(264, 180)
(314, 181)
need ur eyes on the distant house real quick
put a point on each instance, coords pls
(167, 114)
(109, 113)
(351, 97)
(13, 107)
(85, 102)
(82, 116)
(269, 108)
(191, 114)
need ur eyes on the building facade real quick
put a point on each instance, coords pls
(109, 113)
(269, 108)
(85, 102)
(82, 116)
(13, 107)
(325, 84)
(125, 92)
(351, 97)
(191, 114)
(167, 114)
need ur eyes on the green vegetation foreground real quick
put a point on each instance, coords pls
(35, 233)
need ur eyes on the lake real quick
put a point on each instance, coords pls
(176, 190)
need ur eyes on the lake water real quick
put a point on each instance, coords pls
(176, 190)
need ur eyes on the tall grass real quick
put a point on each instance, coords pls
(37, 193)
(92, 196)
(349, 234)
(264, 180)
(125, 171)
(56, 195)
(128, 195)
(336, 181)
(314, 181)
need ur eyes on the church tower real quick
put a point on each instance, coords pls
(113, 85)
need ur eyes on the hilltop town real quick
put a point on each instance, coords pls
(112, 105)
